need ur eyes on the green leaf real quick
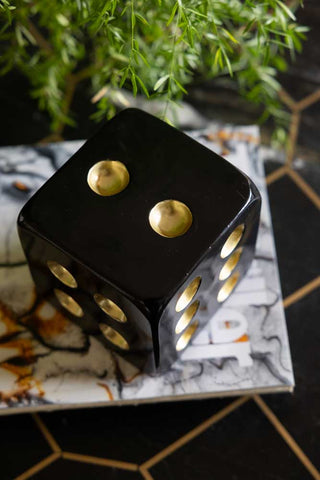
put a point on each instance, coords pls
(286, 9)
(173, 12)
(124, 77)
(227, 62)
(217, 58)
(142, 85)
(180, 86)
(198, 14)
(160, 82)
(143, 58)
(62, 20)
(168, 121)
(249, 25)
(234, 40)
(280, 63)
(271, 81)
(134, 84)
(141, 19)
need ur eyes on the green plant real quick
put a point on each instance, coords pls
(152, 46)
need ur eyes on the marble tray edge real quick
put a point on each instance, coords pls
(143, 401)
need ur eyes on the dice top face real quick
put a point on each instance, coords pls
(145, 219)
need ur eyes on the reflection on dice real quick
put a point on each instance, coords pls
(141, 236)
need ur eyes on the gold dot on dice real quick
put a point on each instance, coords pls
(108, 177)
(114, 337)
(186, 318)
(170, 218)
(230, 264)
(188, 294)
(232, 241)
(62, 274)
(228, 287)
(110, 308)
(68, 303)
(186, 336)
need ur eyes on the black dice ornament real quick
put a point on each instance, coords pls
(140, 237)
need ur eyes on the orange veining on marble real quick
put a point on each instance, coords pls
(24, 347)
(7, 318)
(120, 370)
(107, 389)
(24, 383)
(47, 326)
(130, 379)
(18, 370)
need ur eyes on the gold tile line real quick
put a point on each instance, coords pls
(296, 108)
(39, 466)
(105, 462)
(46, 433)
(305, 187)
(301, 292)
(194, 432)
(287, 99)
(308, 100)
(145, 473)
(293, 136)
(287, 437)
(276, 175)
(299, 105)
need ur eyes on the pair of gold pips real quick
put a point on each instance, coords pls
(169, 218)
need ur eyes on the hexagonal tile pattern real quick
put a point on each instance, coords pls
(21, 445)
(130, 434)
(243, 445)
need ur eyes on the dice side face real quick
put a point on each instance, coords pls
(210, 284)
(81, 296)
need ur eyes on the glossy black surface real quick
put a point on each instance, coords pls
(21, 445)
(109, 246)
(300, 413)
(130, 434)
(208, 269)
(296, 224)
(111, 235)
(297, 219)
(64, 469)
(242, 446)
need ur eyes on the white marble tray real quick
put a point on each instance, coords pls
(46, 362)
